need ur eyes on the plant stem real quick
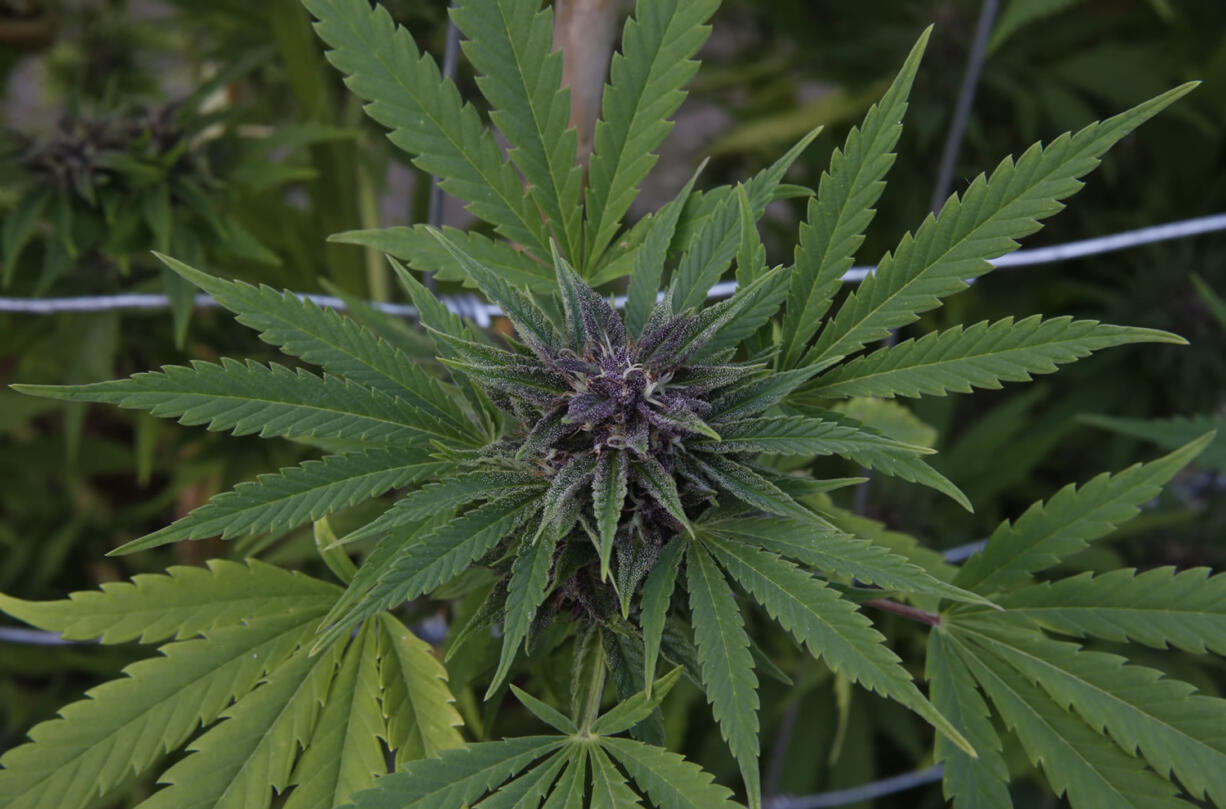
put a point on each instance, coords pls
(595, 689)
(962, 109)
(378, 280)
(923, 616)
(586, 31)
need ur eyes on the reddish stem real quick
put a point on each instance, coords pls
(923, 616)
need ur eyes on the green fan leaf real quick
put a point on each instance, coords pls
(624, 664)
(125, 726)
(434, 315)
(417, 247)
(716, 241)
(456, 777)
(269, 400)
(832, 627)
(183, 602)
(440, 321)
(608, 497)
(667, 778)
(530, 788)
(296, 495)
(750, 252)
(546, 713)
(427, 117)
(1068, 522)
(443, 496)
(906, 465)
(1078, 760)
(510, 44)
(337, 344)
(979, 356)
(1160, 608)
(344, 754)
(983, 224)
(525, 593)
(657, 593)
(727, 665)
(836, 220)
(630, 712)
(748, 486)
(762, 299)
(834, 552)
(532, 325)
(609, 788)
(796, 435)
(422, 719)
(244, 758)
(439, 556)
(645, 80)
(390, 547)
(981, 783)
(569, 792)
(1175, 729)
(650, 257)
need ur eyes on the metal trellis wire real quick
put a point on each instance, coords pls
(864, 792)
(480, 312)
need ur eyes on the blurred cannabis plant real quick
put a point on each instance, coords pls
(595, 462)
(113, 180)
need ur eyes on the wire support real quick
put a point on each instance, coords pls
(480, 312)
(863, 792)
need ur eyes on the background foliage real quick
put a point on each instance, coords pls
(274, 149)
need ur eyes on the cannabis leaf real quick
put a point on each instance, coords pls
(956, 244)
(1160, 608)
(727, 665)
(834, 227)
(296, 495)
(425, 114)
(981, 356)
(1174, 729)
(510, 45)
(530, 769)
(270, 400)
(645, 80)
(239, 655)
(1106, 732)
(1047, 532)
(555, 481)
(829, 625)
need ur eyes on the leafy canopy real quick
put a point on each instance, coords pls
(571, 478)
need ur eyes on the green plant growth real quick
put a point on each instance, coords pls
(94, 196)
(1173, 432)
(618, 492)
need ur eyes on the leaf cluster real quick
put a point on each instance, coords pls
(571, 478)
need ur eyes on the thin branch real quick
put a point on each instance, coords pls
(962, 109)
(35, 637)
(783, 740)
(451, 58)
(469, 306)
(923, 616)
(864, 792)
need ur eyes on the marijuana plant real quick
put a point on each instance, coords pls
(570, 479)
(109, 183)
